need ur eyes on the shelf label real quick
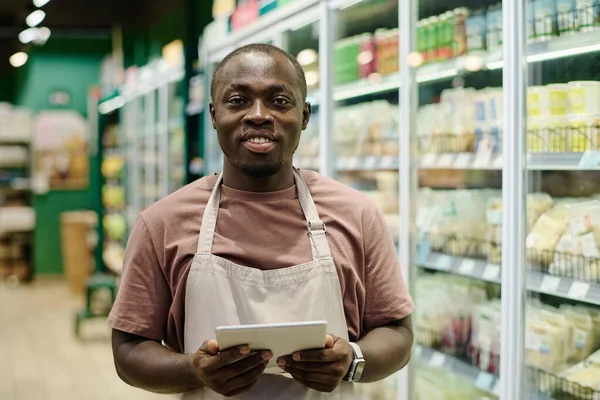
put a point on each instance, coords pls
(550, 284)
(446, 160)
(424, 251)
(463, 160)
(467, 267)
(590, 159)
(579, 290)
(491, 272)
(437, 360)
(428, 160)
(499, 162)
(484, 381)
(371, 162)
(353, 163)
(497, 388)
(444, 262)
(482, 160)
(387, 163)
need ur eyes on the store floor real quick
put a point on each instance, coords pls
(40, 358)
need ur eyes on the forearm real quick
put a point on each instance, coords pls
(386, 350)
(149, 365)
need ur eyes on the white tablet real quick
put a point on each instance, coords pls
(281, 339)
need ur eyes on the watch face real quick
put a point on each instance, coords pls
(360, 366)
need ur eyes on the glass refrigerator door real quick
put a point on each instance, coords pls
(562, 245)
(148, 151)
(365, 93)
(302, 41)
(176, 136)
(455, 131)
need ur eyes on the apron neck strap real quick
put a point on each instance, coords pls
(315, 227)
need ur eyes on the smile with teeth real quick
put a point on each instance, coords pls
(260, 140)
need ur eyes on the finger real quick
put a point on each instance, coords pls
(324, 368)
(232, 355)
(329, 341)
(210, 347)
(314, 380)
(238, 368)
(248, 378)
(324, 356)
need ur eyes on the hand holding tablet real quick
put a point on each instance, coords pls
(280, 339)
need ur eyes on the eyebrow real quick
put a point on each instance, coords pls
(271, 88)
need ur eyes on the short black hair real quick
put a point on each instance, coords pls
(259, 48)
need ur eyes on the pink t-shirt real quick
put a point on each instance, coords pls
(259, 230)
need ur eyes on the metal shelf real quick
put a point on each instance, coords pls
(481, 379)
(535, 161)
(537, 281)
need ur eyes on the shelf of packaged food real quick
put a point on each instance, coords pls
(264, 24)
(364, 163)
(589, 160)
(481, 379)
(365, 87)
(537, 281)
(559, 47)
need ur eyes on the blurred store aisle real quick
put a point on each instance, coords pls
(40, 359)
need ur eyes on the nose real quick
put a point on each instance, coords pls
(258, 114)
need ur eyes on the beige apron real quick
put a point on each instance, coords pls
(219, 292)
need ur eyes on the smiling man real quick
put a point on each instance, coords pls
(260, 243)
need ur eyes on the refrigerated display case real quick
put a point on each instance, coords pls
(476, 122)
(147, 136)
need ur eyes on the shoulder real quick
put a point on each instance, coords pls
(340, 199)
(188, 201)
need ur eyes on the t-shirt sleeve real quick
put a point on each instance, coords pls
(144, 297)
(387, 298)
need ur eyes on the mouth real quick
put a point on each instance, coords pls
(259, 143)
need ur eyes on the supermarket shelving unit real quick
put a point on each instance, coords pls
(515, 158)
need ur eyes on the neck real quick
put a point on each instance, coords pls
(234, 178)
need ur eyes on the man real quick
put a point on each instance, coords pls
(261, 243)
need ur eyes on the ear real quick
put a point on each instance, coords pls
(211, 107)
(306, 115)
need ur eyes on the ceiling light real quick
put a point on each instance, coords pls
(18, 59)
(40, 3)
(365, 57)
(473, 63)
(307, 57)
(28, 35)
(43, 34)
(35, 18)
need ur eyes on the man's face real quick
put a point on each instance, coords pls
(259, 112)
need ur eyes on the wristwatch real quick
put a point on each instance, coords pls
(358, 365)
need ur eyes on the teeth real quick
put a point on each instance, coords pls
(260, 140)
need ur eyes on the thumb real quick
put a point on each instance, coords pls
(329, 342)
(210, 347)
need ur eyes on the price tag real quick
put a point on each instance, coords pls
(550, 284)
(353, 163)
(446, 160)
(428, 160)
(482, 160)
(499, 162)
(467, 267)
(497, 389)
(484, 381)
(437, 360)
(590, 159)
(463, 160)
(444, 262)
(579, 290)
(491, 272)
(388, 163)
(424, 251)
(371, 162)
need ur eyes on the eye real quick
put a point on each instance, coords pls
(236, 100)
(281, 101)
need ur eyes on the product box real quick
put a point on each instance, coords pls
(266, 6)
(245, 14)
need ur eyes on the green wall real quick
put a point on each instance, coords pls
(75, 69)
